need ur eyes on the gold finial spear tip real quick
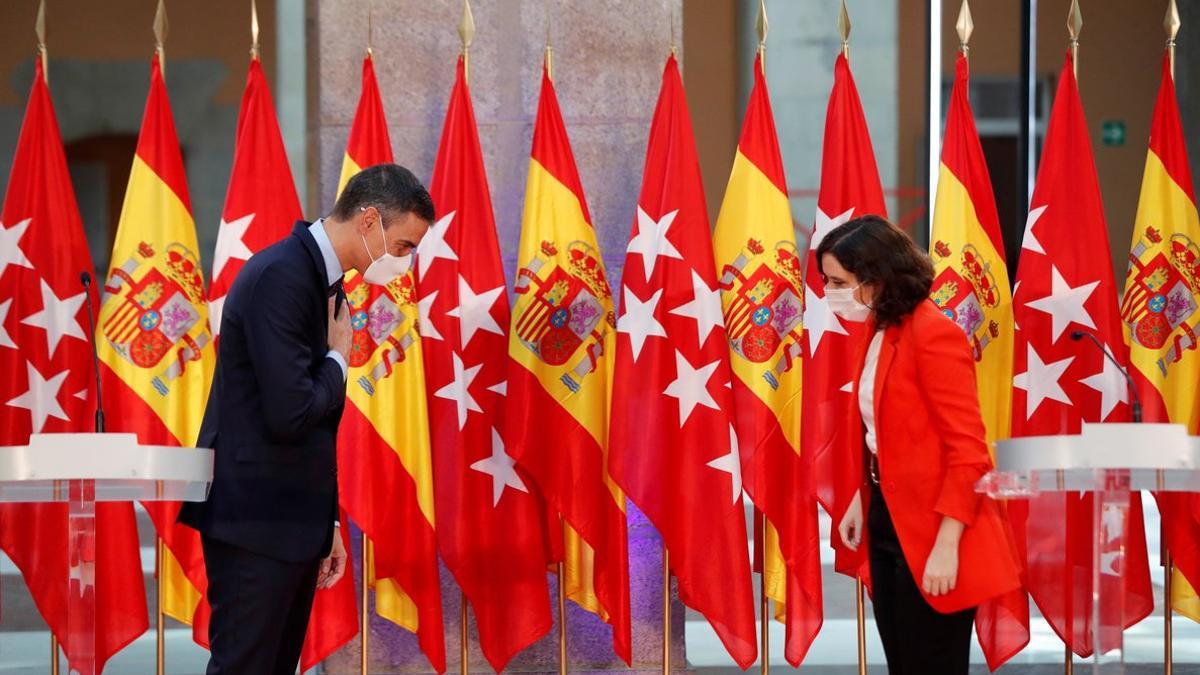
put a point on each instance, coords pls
(761, 24)
(160, 25)
(1171, 22)
(39, 27)
(1074, 21)
(844, 24)
(466, 26)
(253, 29)
(965, 25)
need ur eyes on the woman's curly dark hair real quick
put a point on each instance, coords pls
(879, 253)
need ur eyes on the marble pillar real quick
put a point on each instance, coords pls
(608, 60)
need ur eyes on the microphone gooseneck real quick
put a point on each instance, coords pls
(85, 278)
(1136, 405)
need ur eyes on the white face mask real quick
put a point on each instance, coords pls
(386, 267)
(843, 303)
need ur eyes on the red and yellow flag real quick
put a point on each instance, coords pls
(385, 472)
(1160, 313)
(971, 286)
(762, 297)
(46, 383)
(154, 340)
(560, 348)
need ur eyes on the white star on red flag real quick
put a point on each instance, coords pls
(10, 246)
(639, 321)
(651, 240)
(731, 463)
(474, 311)
(690, 386)
(1030, 241)
(1111, 384)
(1065, 304)
(425, 325)
(819, 319)
(825, 225)
(502, 468)
(58, 317)
(433, 245)
(5, 338)
(230, 244)
(1041, 381)
(41, 399)
(704, 308)
(459, 390)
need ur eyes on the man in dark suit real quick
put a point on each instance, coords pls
(268, 526)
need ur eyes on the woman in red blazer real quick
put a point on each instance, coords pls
(937, 548)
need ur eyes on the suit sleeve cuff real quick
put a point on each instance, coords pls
(341, 361)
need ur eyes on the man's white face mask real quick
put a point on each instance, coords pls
(386, 267)
(843, 303)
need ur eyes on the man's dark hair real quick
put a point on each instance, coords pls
(877, 252)
(391, 188)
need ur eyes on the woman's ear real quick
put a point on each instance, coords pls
(866, 293)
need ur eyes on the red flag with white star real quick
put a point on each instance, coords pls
(46, 381)
(1065, 284)
(672, 443)
(850, 188)
(489, 520)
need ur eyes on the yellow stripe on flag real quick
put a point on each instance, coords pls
(349, 168)
(775, 572)
(547, 200)
(167, 358)
(1183, 597)
(764, 207)
(180, 597)
(1166, 214)
(971, 280)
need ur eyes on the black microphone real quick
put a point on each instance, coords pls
(86, 279)
(1136, 406)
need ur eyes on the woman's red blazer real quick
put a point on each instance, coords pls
(932, 449)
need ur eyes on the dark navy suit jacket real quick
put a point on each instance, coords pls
(274, 409)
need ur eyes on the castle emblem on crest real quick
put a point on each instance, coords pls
(562, 309)
(155, 323)
(767, 308)
(966, 293)
(382, 326)
(1161, 298)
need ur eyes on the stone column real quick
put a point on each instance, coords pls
(608, 60)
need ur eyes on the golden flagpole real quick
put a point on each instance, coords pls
(160, 39)
(562, 600)
(666, 605)
(39, 28)
(860, 612)
(368, 565)
(466, 33)
(1074, 26)
(1171, 23)
(764, 620)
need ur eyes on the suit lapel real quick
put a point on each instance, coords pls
(887, 354)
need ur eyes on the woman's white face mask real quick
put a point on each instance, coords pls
(843, 303)
(386, 267)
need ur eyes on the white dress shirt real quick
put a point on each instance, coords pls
(333, 274)
(866, 389)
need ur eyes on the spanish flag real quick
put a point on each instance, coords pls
(1160, 314)
(154, 337)
(762, 286)
(971, 286)
(560, 348)
(385, 473)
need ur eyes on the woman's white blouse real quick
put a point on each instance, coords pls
(866, 389)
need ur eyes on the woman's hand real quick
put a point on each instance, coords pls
(941, 569)
(851, 526)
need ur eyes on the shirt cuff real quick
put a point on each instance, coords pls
(341, 361)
